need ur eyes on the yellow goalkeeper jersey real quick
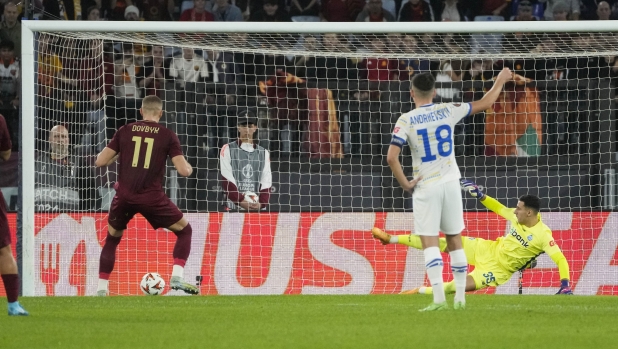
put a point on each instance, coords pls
(523, 243)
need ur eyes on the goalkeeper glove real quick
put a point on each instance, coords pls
(472, 189)
(564, 287)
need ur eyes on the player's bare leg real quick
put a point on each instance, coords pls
(459, 267)
(108, 259)
(182, 248)
(8, 271)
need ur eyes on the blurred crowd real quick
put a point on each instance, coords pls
(92, 87)
(324, 10)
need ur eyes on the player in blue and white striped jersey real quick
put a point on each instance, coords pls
(428, 131)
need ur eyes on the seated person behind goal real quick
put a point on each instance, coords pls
(245, 168)
(496, 261)
(63, 182)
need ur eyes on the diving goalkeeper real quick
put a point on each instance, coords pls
(496, 261)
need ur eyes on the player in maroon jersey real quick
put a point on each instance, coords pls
(8, 267)
(142, 149)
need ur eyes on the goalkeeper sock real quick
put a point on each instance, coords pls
(108, 256)
(410, 240)
(449, 288)
(415, 241)
(435, 266)
(459, 267)
(182, 248)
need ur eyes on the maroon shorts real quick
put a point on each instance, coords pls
(158, 210)
(5, 233)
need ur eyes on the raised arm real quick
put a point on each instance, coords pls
(490, 97)
(488, 201)
(498, 208)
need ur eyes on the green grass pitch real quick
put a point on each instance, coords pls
(372, 321)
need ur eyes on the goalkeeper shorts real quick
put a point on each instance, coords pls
(487, 271)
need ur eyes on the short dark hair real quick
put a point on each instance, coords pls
(424, 82)
(531, 202)
(8, 44)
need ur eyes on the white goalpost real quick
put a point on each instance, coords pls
(326, 97)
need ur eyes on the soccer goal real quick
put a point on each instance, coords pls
(326, 97)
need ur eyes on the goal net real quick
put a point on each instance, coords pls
(326, 99)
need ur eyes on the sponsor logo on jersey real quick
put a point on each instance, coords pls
(518, 237)
(529, 237)
(552, 243)
(396, 129)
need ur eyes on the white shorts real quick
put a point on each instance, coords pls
(438, 209)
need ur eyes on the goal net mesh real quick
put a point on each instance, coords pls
(326, 106)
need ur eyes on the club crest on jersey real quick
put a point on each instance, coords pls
(529, 237)
(518, 237)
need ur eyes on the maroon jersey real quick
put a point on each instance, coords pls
(143, 149)
(5, 144)
(5, 138)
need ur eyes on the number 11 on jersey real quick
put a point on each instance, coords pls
(138, 145)
(442, 140)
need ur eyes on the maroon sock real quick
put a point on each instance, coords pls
(108, 256)
(11, 285)
(183, 245)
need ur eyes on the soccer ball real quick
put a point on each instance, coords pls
(251, 197)
(152, 284)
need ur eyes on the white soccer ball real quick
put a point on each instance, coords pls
(251, 197)
(152, 284)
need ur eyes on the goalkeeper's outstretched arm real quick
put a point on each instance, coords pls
(563, 269)
(487, 200)
(497, 207)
